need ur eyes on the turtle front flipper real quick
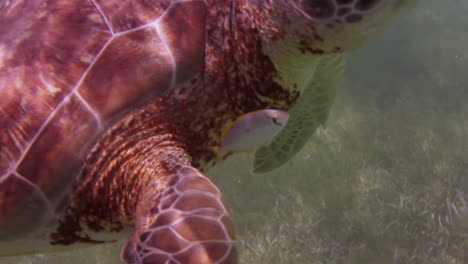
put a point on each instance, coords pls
(186, 223)
(310, 112)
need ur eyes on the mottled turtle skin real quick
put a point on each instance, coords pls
(109, 111)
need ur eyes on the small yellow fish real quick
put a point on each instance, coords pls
(252, 130)
(249, 132)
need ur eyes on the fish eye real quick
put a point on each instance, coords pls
(276, 122)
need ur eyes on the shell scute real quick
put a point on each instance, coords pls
(69, 69)
(133, 67)
(127, 15)
(183, 28)
(40, 67)
(55, 157)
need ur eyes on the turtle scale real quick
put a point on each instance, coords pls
(72, 95)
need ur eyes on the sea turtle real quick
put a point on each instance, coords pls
(109, 111)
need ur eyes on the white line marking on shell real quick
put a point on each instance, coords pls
(98, 7)
(153, 23)
(90, 109)
(59, 106)
(163, 39)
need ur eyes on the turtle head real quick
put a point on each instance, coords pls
(325, 26)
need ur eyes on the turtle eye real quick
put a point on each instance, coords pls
(320, 9)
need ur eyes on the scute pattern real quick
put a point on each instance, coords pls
(51, 167)
(191, 225)
(338, 11)
(127, 15)
(42, 69)
(133, 68)
(70, 69)
(188, 49)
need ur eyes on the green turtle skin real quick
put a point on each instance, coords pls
(320, 75)
(110, 110)
(309, 113)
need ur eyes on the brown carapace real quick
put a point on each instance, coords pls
(109, 111)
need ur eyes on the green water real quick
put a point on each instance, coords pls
(386, 182)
